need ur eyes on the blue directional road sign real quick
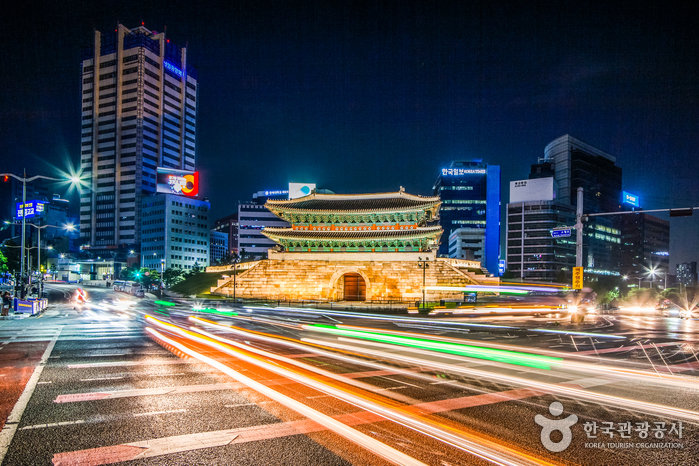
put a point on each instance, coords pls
(560, 233)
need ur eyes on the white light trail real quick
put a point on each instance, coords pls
(373, 445)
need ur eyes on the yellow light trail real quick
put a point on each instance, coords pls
(371, 444)
(486, 449)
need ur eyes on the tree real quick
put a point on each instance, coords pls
(11, 251)
(173, 276)
(3, 263)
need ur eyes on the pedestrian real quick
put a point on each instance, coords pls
(6, 302)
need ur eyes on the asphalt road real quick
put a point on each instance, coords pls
(105, 384)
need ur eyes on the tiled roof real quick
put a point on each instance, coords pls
(288, 233)
(354, 203)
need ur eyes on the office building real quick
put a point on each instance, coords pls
(252, 219)
(467, 243)
(175, 232)
(470, 194)
(139, 112)
(573, 164)
(533, 253)
(218, 246)
(228, 225)
(645, 246)
(687, 274)
(578, 164)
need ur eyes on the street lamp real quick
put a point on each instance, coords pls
(24, 181)
(235, 272)
(67, 226)
(423, 264)
(162, 272)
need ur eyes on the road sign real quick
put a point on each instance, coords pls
(147, 273)
(560, 233)
(577, 278)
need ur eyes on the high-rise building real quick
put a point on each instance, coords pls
(175, 232)
(533, 253)
(470, 193)
(687, 273)
(139, 112)
(218, 246)
(229, 226)
(575, 164)
(645, 246)
(578, 164)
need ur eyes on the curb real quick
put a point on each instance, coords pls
(168, 347)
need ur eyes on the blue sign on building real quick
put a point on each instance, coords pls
(631, 199)
(560, 233)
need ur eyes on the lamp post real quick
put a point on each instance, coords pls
(24, 181)
(162, 272)
(423, 264)
(68, 226)
(235, 272)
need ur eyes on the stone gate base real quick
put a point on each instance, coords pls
(318, 276)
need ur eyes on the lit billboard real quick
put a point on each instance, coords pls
(631, 199)
(300, 189)
(539, 189)
(180, 182)
(31, 209)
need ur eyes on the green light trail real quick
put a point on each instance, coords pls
(215, 311)
(491, 354)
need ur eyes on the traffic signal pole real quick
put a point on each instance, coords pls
(579, 230)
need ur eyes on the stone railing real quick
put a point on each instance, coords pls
(229, 267)
(461, 263)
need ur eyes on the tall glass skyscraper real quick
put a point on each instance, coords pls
(577, 164)
(139, 111)
(470, 193)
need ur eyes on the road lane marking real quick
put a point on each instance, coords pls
(40, 383)
(155, 413)
(153, 362)
(624, 348)
(73, 397)
(100, 378)
(53, 424)
(8, 431)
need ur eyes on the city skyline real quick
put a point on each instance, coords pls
(368, 98)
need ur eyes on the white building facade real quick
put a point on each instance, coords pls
(175, 232)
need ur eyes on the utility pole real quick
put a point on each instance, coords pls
(423, 264)
(24, 229)
(579, 230)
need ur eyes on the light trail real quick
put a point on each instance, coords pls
(369, 443)
(648, 408)
(483, 448)
(621, 372)
(378, 317)
(506, 356)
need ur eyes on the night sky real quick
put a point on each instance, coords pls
(370, 96)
